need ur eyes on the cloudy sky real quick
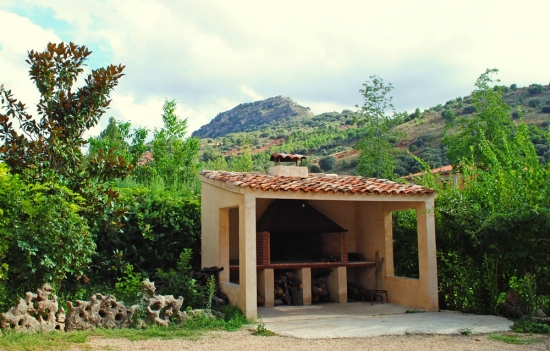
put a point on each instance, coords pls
(212, 55)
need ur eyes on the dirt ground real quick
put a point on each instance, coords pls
(244, 340)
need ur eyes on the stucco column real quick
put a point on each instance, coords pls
(247, 257)
(337, 282)
(266, 287)
(304, 274)
(427, 254)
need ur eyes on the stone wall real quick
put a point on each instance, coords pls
(40, 311)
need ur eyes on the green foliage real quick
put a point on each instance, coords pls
(175, 158)
(448, 115)
(491, 122)
(514, 87)
(469, 110)
(528, 325)
(50, 239)
(128, 287)
(545, 109)
(315, 169)
(495, 227)
(405, 244)
(376, 158)
(76, 196)
(160, 224)
(327, 163)
(211, 286)
(10, 192)
(261, 330)
(514, 339)
(534, 89)
(534, 103)
(177, 282)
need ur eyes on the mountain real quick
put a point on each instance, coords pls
(253, 116)
(281, 125)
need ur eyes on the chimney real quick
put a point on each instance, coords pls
(287, 171)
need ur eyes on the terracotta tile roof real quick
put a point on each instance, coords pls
(145, 158)
(317, 183)
(278, 156)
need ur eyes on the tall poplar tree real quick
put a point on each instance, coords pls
(377, 152)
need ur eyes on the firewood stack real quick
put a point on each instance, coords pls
(356, 293)
(288, 290)
(202, 276)
(319, 290)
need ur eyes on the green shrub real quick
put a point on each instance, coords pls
(177, 281)
(327, 163)
(546, 109)
(128, 287)
(534, 89)
(448, 115)
(314, 169)
(534, 103)
(514, 87)
(51, 240)
(528, 325)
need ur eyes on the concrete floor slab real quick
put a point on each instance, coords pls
(358, 319)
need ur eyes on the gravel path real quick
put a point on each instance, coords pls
(244, 340)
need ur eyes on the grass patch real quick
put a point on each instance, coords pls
(515, 339)
(192, 328)
(261, 330)
(527, 325)
(41, 341)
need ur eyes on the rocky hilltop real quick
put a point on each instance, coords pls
(251, 116)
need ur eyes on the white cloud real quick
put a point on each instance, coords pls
(249, 92)
(21, 37)
(212, 55)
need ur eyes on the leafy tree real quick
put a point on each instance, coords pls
(376, 158)
(514, 87)
(494, 228)
(315, 169)
(10, 188)
(243, 162)
(448, 115)
(175, 157)
(534, 89)
(491, 121)
(49, 150)
(50, 239)
(69, 195)
(327, 163)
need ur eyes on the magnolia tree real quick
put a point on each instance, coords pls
(67, 196)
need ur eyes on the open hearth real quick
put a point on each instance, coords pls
(292, 231)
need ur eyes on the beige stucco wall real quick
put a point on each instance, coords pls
(367, 218)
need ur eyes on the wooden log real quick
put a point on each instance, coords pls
(278, 289)
(316, 290)
(220, 301)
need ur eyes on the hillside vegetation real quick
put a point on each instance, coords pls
(281, 125)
